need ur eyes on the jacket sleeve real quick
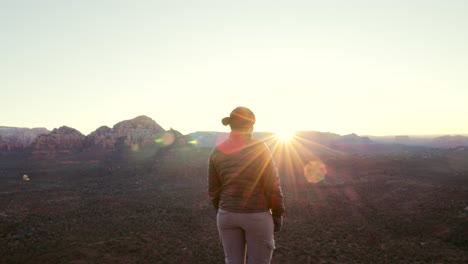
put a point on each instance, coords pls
(214, 183)
(272, 184)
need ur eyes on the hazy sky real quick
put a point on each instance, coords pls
(366, 67)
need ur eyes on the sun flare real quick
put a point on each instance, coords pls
(285, 135)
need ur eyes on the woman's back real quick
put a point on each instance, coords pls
(244, 185)
(241, 164)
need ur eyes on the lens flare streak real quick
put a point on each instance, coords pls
(294, 157)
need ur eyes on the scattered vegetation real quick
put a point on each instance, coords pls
(155, 209)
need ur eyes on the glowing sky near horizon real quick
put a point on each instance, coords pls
(365, 67)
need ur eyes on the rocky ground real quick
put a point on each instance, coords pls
(382, 208)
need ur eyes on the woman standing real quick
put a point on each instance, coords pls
(245, 189)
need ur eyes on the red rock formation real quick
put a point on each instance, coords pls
(62, 140)
(135, 133)
(18, 138)
(141, 130)
(101, 138)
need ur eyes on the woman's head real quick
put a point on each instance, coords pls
(241, 118)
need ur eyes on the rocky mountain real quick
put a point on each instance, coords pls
(101, 137)
(134, 135)
(12, 138)
(141, 131)
(63, 139)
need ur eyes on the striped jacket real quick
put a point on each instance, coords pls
(243, 178)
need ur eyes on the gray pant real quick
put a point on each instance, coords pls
(250, 233)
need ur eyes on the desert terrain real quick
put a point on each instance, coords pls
(394, 205)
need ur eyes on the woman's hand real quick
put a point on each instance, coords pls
(278, 221)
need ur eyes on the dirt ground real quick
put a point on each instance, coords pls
(368, 208)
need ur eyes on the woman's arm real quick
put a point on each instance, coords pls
(273, 191)
(214, 183)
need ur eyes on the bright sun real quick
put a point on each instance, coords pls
(284, 135)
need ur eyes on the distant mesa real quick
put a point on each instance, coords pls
(101, 137)
(135, 133)
(142, 131)
(450, 141)
(13, 138)
(63, 139)
(354, 139)
(433, 141)
(325, 138)
(139, 122)
(402, 139)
